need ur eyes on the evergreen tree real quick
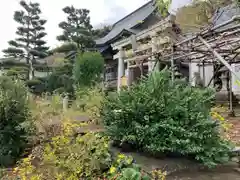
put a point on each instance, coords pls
(102, 31)
(77, 28)
(29, 44)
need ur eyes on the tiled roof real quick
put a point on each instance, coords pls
(128, 22)
(225, 14)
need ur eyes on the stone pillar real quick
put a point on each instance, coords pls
(130, 70)
(224, 82)
(150, 64)
(134, 43)
(153, 60)
(121, 70)
(129, 74)
(65, 103)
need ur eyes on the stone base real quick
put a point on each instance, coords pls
(237, 170)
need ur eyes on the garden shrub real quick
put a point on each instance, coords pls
(18, 72)
(61, 79)
(33, 82)
(67, 157)
(164, 117)
(36, 86)
(15, 123)
(59, 82)
(88, 68)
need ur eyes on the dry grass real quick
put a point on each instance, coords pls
(234, 130)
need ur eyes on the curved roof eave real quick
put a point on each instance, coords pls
(128, 22)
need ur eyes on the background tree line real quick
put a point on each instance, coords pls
(28, 49)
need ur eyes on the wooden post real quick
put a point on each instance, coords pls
(219, 57)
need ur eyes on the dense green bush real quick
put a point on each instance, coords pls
(88, 68)
(18, 72)
(164, 117)
(56, 81)
(14, 120)
(36, 86)
(61, 80)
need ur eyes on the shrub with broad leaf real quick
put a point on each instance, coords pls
(164, 117)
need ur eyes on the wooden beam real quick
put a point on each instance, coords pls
(219, 57)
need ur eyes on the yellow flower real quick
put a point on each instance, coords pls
(237, 82)
(221, 118)
(15, 169)
(112, 170)
(129, 161)
(121, 156)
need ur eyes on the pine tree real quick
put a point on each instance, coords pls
(29, 44)
(101, 31)
(77, 28)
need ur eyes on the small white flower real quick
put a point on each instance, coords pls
(117, 111)
(146, 117)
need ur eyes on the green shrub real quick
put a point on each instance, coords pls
(124, 168)
(33, 82)
(60, 83)
(14, 120)
(36, 86)
(164, 117)
(88, 68)
(18, 72)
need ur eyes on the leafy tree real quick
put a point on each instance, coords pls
(29, 44)
(163, 6)
(195, 15)
(71, 46)
(65, 48)
(198, 14)
(77, 28)
(88, 68)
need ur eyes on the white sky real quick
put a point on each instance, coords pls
(101, 12)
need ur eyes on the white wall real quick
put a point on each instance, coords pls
(208, 68)
(193, 67)
(235, 80)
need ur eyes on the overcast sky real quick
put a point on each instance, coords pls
(101, 12)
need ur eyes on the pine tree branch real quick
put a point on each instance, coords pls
(29, 44)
